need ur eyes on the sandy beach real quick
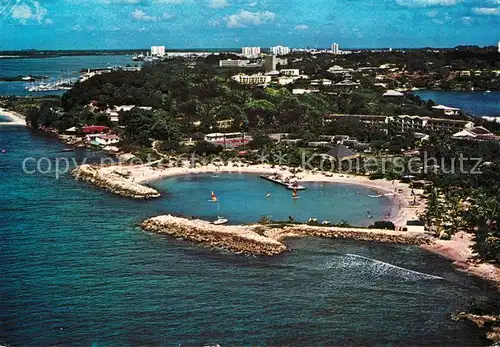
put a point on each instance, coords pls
(459, 251)
(15, 118)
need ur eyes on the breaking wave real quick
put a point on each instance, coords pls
(376, 268)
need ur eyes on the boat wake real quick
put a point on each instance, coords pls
(371, 267)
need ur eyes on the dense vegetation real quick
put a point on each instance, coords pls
(467, 198)
(198, 98)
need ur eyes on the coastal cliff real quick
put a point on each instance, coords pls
(265, 239)
(114, 182)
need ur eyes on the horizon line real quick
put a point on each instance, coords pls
(233, 48)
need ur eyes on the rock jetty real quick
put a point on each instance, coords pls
(266, 239)
(239, 239)
(352, 233)
(114, 182)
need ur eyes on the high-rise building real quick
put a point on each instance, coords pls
(158, 51)
(335, 48)
(250, 52)
(270, 62)
(280, 50)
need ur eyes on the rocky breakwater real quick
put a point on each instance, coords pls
(239, 239)
(351, 233)
(266, 239)
(114, 182)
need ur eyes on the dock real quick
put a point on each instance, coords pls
(287, 185)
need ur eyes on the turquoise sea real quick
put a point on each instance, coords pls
(242, 199)
(76, 269)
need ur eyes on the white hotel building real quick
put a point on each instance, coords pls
(158, 51)
(252, 79)
(250, 52)
(280, 50)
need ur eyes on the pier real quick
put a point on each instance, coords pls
(287, 185)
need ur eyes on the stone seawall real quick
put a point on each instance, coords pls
(266, 239)
(239, 239)
(352, 233)
(114, 182)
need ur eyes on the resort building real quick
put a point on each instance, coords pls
(290, 72)
(250, 52)
(300, 91)
(157, 51)
(228, 139)
(281, 61)
(280, 50)
(367, 119)
(393, 93)
(346, 84)
(338, 70)
(406, 122)
(233, 63)
(95, 129)
(286, 80)
(447, 111)
(113, 113)
(252, 79)
(322, 82)
(476, 133)
(225, 123)
(106, 140)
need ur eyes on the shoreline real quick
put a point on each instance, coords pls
(15, 118)
(456, 250)
(400, 208)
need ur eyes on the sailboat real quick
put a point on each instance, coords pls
(213, 198)
(294, 194)
(220, 220)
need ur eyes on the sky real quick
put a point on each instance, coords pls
(129, 24)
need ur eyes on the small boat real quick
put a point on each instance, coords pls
(213, 198)
(376, 196)
(67, 150)
(268, 195)
(220, 220)
(294, 194)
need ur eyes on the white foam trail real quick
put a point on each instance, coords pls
(388, 268)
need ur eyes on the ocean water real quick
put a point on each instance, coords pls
(476, 103)
(242, 199)
(53, 67)
(76, 269)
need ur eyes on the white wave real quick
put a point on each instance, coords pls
(372, 267)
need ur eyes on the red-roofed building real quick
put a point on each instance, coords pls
(95, 129)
